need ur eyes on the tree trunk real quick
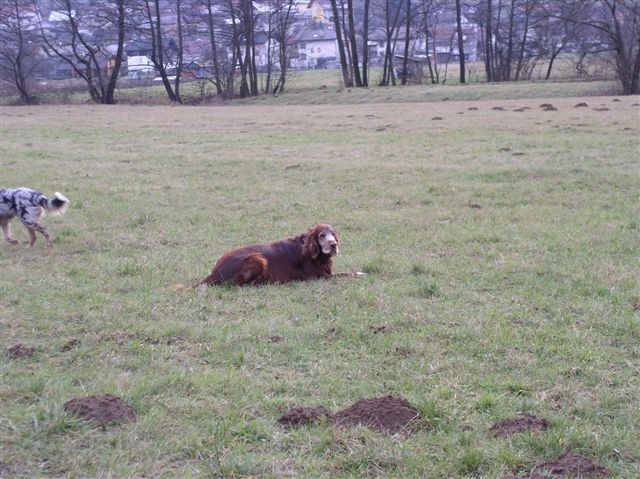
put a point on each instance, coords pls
(115, 72)
(554, 54)
(354, 44)
(214, 49)
(460, 40)
(179, 65)
(157, 55)
(346, 77)
(488, 46)
(365, 45)
(407, 35)
(506, 74)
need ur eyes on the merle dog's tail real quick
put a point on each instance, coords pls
(58, 204)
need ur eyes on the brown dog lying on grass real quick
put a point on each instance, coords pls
(304, 257)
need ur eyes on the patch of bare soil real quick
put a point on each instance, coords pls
(436, 118)
(276, 338)
(531, 475)
(299, 416)
(387, 414)
(472, 108)
(72, 343)
(604, 108)
(514, 425)
(101, 409)
(378, 329)
(20, 351)
(572, 465)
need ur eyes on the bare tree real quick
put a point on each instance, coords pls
(615, 25)
(156, 37)
(407, 39)
(217, 79)
(507, 38)
(180, 52)
(553, 34)
(365, 43)
(19, 47)
(89, 55)
(346, 74)
(281, 19)
(460, 40)
(354, 45)
(390, 10)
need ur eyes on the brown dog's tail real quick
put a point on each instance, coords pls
(355, 274)
(209, 280)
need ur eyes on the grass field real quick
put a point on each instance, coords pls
(501, 242)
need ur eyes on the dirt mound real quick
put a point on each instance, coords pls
(72, 343)
(567, 465)
(101, 409)
(300, 416)
(573, 465)
(20, 351)
(514, 425)
(532, 475)
(582, 104)
(387, 414)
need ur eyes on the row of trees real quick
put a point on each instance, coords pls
(514, 35)
(90, 39)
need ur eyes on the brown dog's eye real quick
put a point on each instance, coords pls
(322, 235)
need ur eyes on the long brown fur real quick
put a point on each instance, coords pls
(299, 258)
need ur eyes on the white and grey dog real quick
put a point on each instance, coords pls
(30, 206)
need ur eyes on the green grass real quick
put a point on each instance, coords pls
(324, 87)
(523, 304)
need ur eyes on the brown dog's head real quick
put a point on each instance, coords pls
(321, 239)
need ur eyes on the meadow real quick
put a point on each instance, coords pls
(500, 240)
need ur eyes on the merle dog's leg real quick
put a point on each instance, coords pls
(33, 227)
(30, 217)
(6, 230)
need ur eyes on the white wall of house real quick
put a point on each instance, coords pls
(311, 53)
(140, 67)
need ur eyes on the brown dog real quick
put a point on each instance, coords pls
(303, 257)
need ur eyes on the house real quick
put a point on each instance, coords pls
(442, 44)
(314, 48)
(138, 56)
(320, 11)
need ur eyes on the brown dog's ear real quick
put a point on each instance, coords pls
(310, 246)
